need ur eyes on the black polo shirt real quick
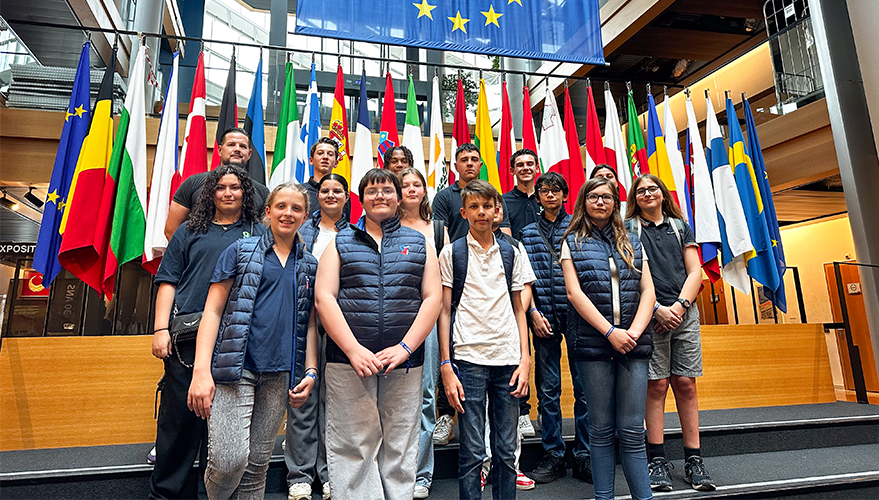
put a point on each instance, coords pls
(666, 257)
(190, 189)
(521, 209)
(447, 206)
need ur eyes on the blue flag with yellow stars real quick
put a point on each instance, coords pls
(76, 127)
(557, 30)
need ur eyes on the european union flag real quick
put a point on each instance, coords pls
(76, 127)
(557, 30)
(777, 296)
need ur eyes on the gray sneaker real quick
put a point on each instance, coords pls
(443, 433)
(660, 478)
(697, 476)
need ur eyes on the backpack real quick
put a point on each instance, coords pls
(460, 256)
(633, 226)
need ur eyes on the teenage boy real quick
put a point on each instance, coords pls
(323, 157)
(447, 203)
(482, 282)
(234, 150)
(378, 294)
(547, 315)
(398, 158)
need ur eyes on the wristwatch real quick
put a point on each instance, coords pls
(684, 302)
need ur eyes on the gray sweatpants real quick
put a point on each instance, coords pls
(372, 432)
(244, 423)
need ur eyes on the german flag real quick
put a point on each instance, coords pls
(86, 235)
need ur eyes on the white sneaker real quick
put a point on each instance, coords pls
(525, 427)
(421, 491)
(443, 433)
(299, 491)
(327, 494)
(151, 456)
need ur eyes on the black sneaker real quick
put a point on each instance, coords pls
(660, 478)
(548, 469)
(583, 469)
(696, 475)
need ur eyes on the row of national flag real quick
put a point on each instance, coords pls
(98, 215)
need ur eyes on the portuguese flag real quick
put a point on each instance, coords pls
(125, 187)
(86, 236)
(637, 151)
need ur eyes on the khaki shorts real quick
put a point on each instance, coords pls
(678, 352)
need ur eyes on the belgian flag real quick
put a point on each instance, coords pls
(86, 231)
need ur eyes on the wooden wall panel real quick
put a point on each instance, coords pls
(77, 391)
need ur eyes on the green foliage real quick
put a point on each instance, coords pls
(450, 91)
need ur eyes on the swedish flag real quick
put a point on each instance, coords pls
(76, 126)
(762, 265)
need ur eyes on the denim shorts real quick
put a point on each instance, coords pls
(678, 352)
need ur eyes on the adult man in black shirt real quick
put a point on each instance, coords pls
(234, 150)
(520, 203)
(447, 203)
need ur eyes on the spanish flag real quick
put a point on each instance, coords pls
(339, 129)
(86, 230)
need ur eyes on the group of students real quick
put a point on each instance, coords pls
(414, 311)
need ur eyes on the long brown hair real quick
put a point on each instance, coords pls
(669, 207)
(581, 225)
(424, 211)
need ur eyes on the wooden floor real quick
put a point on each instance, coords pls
(846, 395)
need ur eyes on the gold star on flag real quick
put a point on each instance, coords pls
(517, 1)
(68, 115)
(79, 111)
(424, 9)
(52, 197)
(61, 206)
(491, 16)
(458, 22)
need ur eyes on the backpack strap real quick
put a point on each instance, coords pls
(439, 237)
(508, 255)
(677, 225)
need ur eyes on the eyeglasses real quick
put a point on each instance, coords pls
(641, 192)
(371, 194)
(553, 191)
(593, 198)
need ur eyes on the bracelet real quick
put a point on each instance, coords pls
(656, 306)
(446, 362)
(160, 329)
(403, 344)
(311, 368)
(612, 328)
(313, 375)
(532, 310)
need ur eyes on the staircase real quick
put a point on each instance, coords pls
(822, 451)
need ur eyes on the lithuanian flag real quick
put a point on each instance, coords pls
(485, 141)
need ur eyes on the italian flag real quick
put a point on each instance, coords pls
(412, 130)
(126, 173)
(287, 138)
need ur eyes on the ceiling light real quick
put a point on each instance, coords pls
(32, 198)
(9, 204)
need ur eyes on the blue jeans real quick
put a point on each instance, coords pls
(429, 373)
(493, 383)
(581, 415)
(548, 382)
(617, 395)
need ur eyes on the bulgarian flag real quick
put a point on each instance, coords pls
(287, 138)
(594, 146)
(362, 159)
(412, 130)
(125, 192)
(437, 169)
(194, 154)
(529, 136)
(575, 175)
(339, 128)
(388, 136)
(460, 129)
(637, 151)
(506, 143)
(485, 141)
(86, 236)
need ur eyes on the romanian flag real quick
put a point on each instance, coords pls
(657, 155)
(76, 127)
(460, 129)
(506, 143)
(86, 236)
(637, 151)
(339, 128)
(388, 136)
(485, 141)
(228, 111)
(678, 168)
(761, 262)
(125, 190)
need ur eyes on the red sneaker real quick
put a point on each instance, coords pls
(482, 480)
(523, 482)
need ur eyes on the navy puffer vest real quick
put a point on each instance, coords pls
(591, 258)
(311, 228)
(379, 292)
(550, 295)
(228, 359)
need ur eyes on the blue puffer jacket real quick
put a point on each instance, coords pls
(311, 228)
(550, 295)
(591, 260)
(379, 292)
(228, 360)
